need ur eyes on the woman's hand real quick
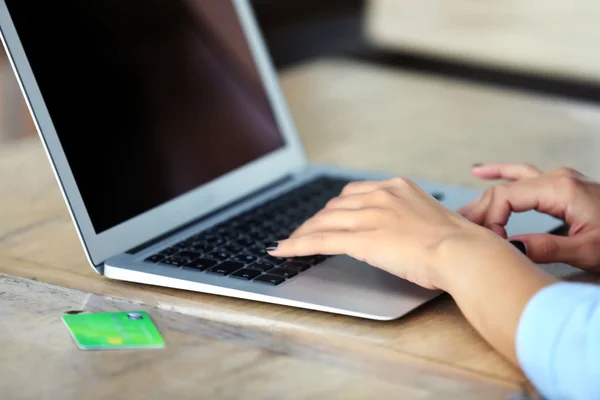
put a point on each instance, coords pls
(396, 226)
(393, 225)
(564, 193)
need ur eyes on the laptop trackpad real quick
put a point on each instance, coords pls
(346, 273)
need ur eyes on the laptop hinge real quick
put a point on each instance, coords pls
(100, 268)
(162, 237)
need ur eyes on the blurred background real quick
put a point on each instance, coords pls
(548, 47)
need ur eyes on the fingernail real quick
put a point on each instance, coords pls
(520, 246)
(272, 246)
(477, 165)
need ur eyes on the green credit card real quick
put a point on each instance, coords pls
(114, 330)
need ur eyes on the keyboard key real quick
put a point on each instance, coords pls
(256, 253)
(189, 255)
(219, 255)
(169, 251)
(253, 221)
(272, 230)
(233, 248)
(270, 279)
(245, 258)
(246, 274)
(243, 228)
(226, 268)
(222, 230)
(310, 260)
(282, 233)
(201, 264)
(286, 273)
(180, 260)
(296, 266)
(280, 214)
(202, 248)
(154, 258)
(292, 227)
(274, 260)
(174, 262)
(260, 236)
(244, 242)
(216, 241)
(258, 249)
(267, 223)
(261, 266)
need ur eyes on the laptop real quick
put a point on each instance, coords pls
(177, 157)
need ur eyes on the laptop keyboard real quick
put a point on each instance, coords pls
(236, 247)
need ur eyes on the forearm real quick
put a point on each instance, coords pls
(491, 282)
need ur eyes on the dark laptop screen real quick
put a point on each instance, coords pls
(150, 98)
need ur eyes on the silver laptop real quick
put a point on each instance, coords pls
(177, 157)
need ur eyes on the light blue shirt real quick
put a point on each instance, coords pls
(558, 341)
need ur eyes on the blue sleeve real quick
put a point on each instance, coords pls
(558, 341)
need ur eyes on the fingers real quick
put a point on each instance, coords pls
(494, 208)
(530, 190)
(567, 172)
(374, 199)
(362, 187)
(512, 172)
(488, 211)
(366, 187)
(466, 209)
(325, 243)
(341, 220)
(579, 251)
(474, 211)
(356, 211)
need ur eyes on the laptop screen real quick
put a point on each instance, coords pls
(150, 98)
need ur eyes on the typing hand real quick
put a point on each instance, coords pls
(564, 193)
(393, 225)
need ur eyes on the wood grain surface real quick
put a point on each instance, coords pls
(354, 115)
(202, 360)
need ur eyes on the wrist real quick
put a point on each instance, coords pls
(469, 252)
(490, 281)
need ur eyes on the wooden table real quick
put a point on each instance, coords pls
(552, 38)
(350, 114)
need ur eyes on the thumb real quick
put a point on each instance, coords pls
(577, 251)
